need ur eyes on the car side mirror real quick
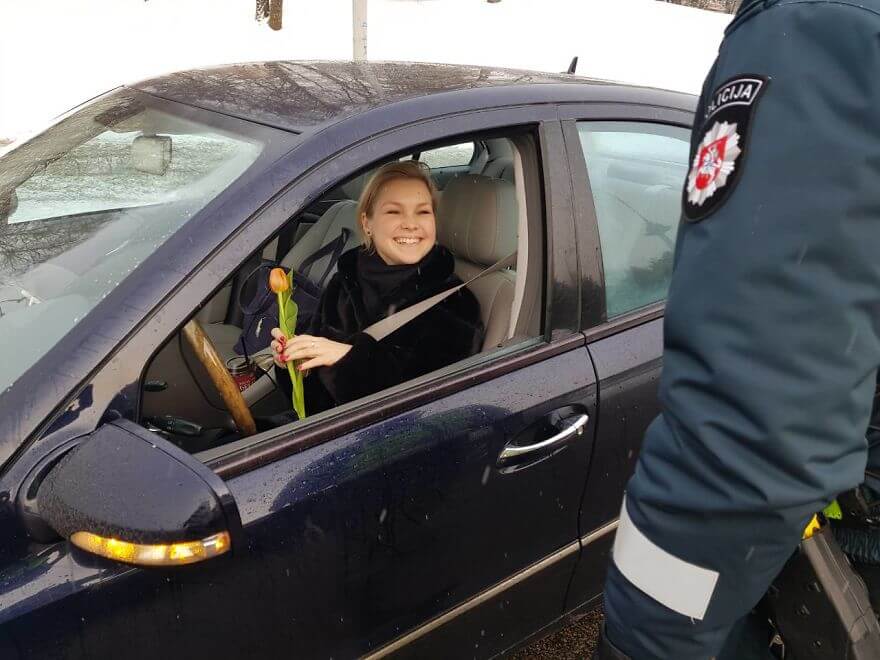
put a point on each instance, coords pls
(132, 496)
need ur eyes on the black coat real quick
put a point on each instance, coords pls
(450, 331)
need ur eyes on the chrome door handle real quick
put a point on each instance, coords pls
(575, 429)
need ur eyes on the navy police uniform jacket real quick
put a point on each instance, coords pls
(772, 328)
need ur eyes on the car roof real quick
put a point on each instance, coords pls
(302, 96)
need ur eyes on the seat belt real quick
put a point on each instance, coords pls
(333, 248)
(384, 327)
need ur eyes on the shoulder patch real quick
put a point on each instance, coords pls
(721, 152)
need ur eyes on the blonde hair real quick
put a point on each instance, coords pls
(404, 169)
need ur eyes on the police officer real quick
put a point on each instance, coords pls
(772, 335)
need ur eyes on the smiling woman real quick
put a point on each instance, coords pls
(396, 213)
(399, 265)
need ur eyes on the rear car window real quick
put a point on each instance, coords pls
(454, 155)
(636, 175)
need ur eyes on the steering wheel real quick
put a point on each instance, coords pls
(206, 352)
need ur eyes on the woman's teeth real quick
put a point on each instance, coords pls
(407, 241)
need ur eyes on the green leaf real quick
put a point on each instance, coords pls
(282, 316)
(288, 311)
(299, 396)
(291, 312)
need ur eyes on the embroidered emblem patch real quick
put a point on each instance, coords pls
(714, 162)
(720, 155)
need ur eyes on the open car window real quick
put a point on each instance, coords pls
(472, 204)
(86, 201)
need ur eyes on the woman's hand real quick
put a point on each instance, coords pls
(315, 351)
(277, 346)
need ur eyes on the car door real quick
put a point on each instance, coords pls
(390, 526)
(628, 177)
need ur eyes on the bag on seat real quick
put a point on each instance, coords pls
(260, 305)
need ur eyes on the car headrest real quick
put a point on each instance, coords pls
(151, 154)
(478, 219)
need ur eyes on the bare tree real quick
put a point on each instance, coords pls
(275, 12)
(271, 10)
(262, 10)
(727, 6)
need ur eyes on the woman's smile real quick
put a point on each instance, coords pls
(402, 226)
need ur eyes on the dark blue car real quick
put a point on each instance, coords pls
(150, 508)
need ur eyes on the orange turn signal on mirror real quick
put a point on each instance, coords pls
(166, 554)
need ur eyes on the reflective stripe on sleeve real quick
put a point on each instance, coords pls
(673, 582)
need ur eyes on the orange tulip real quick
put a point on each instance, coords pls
(278, 280)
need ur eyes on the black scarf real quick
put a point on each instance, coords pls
(380, 282)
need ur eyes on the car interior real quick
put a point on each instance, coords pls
(489, 207)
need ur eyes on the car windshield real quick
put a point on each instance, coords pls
(86, 201)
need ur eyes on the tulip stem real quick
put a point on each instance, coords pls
(296, 376)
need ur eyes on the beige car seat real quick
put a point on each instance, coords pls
(499, 164)
(477, 221)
